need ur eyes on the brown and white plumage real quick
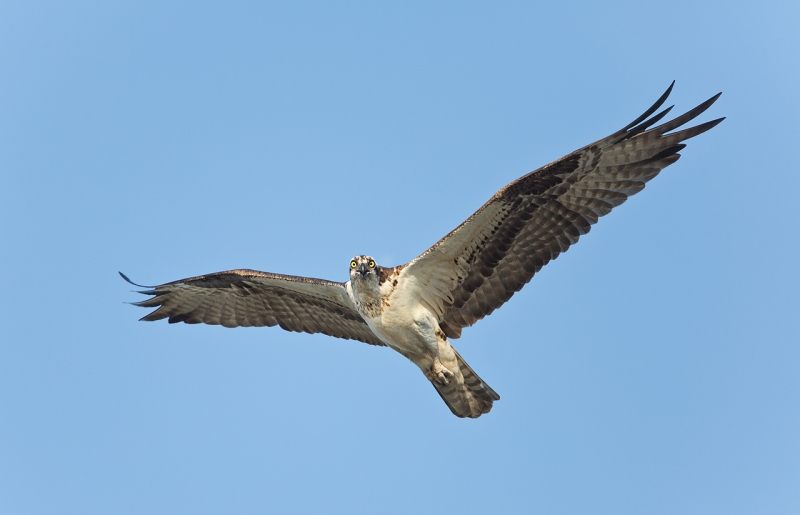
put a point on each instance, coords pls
(478, 266)
(462, 278)
(248, 298)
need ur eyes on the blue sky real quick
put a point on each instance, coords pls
(651, 369)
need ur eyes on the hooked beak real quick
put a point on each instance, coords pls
(363, 269)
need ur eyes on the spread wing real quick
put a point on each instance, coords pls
(248, 298)
(477, 267)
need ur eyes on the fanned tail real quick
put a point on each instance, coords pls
(467, 395)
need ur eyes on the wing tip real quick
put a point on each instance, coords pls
(152, 316)
(678, 121)
(708, 103)
(133, 283)
(710, 125)
(632, 127)
(652, 109)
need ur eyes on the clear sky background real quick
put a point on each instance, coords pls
(654, 368)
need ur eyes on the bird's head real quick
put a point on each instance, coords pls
(364, 268)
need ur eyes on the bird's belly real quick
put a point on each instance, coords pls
(405, 330)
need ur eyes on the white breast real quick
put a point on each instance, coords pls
(404, 323)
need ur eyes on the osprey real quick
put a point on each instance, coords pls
(417, 308)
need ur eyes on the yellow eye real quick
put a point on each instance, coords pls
(353, 264)
(371, 263)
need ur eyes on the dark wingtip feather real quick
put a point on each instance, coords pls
(152, 317)
(652, 109)
(697, 129)
(647, 123)
(687, 116)
(133, 283)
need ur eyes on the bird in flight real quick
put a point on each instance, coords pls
(418, 308)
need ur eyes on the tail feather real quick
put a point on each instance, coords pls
(467, 395)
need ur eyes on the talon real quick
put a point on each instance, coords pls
(439, 374)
